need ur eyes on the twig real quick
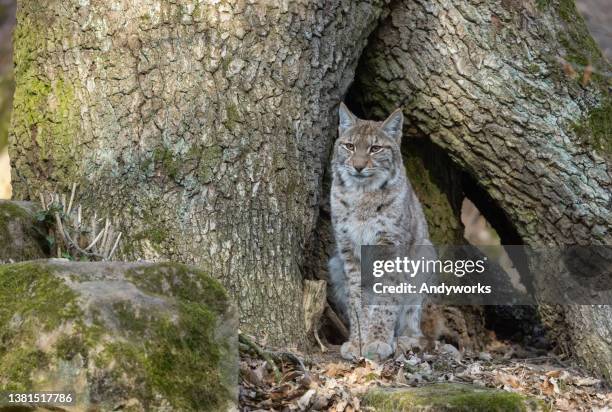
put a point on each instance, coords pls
(71, 199)
(242, 338)
(336, 322)
(292, 357)
(71, 243)
(359, 331)
(112, 252)
(71, 232)
(93, 243)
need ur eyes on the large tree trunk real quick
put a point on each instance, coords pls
(202, 127)
(504, 88)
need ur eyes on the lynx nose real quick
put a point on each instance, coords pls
(359, 168)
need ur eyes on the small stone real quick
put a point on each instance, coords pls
(485, 356)
(413, 360)
(452, 351)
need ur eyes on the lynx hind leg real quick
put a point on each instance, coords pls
(409, 321)
(339, 286)
(409, 332)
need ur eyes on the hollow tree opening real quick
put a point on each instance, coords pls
(444, 188)
(523, 124)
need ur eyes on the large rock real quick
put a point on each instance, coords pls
(448, 398)
(22, 237)
(122, 336)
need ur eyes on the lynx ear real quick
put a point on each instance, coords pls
(346, 119)
(393, 125)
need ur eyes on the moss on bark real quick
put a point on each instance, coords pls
(596, 127)
(44, 105)
(438, 187)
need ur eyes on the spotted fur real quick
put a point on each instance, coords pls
(372, 203)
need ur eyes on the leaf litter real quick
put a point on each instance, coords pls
(326, 382)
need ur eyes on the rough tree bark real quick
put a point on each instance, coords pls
(201, 127)
(506, 89)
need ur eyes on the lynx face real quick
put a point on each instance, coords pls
(367, 153)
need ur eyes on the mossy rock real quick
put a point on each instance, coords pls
(21, 236)
(120, 336)
(448, 398)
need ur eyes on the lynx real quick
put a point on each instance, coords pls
(372, 203)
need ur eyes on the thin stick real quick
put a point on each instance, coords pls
(261, 353)
(92, 244)
(359, 331)
(71, 242)
(109, 240)
(94, 226)
(106, 230)
(112, 252)
(71, 198)
(336, 322)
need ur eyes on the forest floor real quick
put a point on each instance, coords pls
(326, 382)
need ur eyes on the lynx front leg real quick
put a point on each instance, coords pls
(353, 348)
(380, 341)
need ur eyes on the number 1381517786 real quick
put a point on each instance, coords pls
(54, 398)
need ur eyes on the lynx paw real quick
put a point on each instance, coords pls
(407, 344)
(349, 351)
(378, 350)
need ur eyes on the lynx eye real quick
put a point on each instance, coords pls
(349, 146)
(375, 149)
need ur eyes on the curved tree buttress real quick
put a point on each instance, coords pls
(516, 93)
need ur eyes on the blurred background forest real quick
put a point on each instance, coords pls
(597, 13)
(7, 22)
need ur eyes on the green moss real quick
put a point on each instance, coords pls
(171, 352)
(596, 128)
(445, 228)
(542, 4)
(208, 159)
(32, 300)
(533, 69)
(10, 211)
(167, 161)
(68, 346)
(232, 116)
(580, 47)
(46, 117)
(177, 358)
(18, 366)
(448, 397)
(181, 281)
